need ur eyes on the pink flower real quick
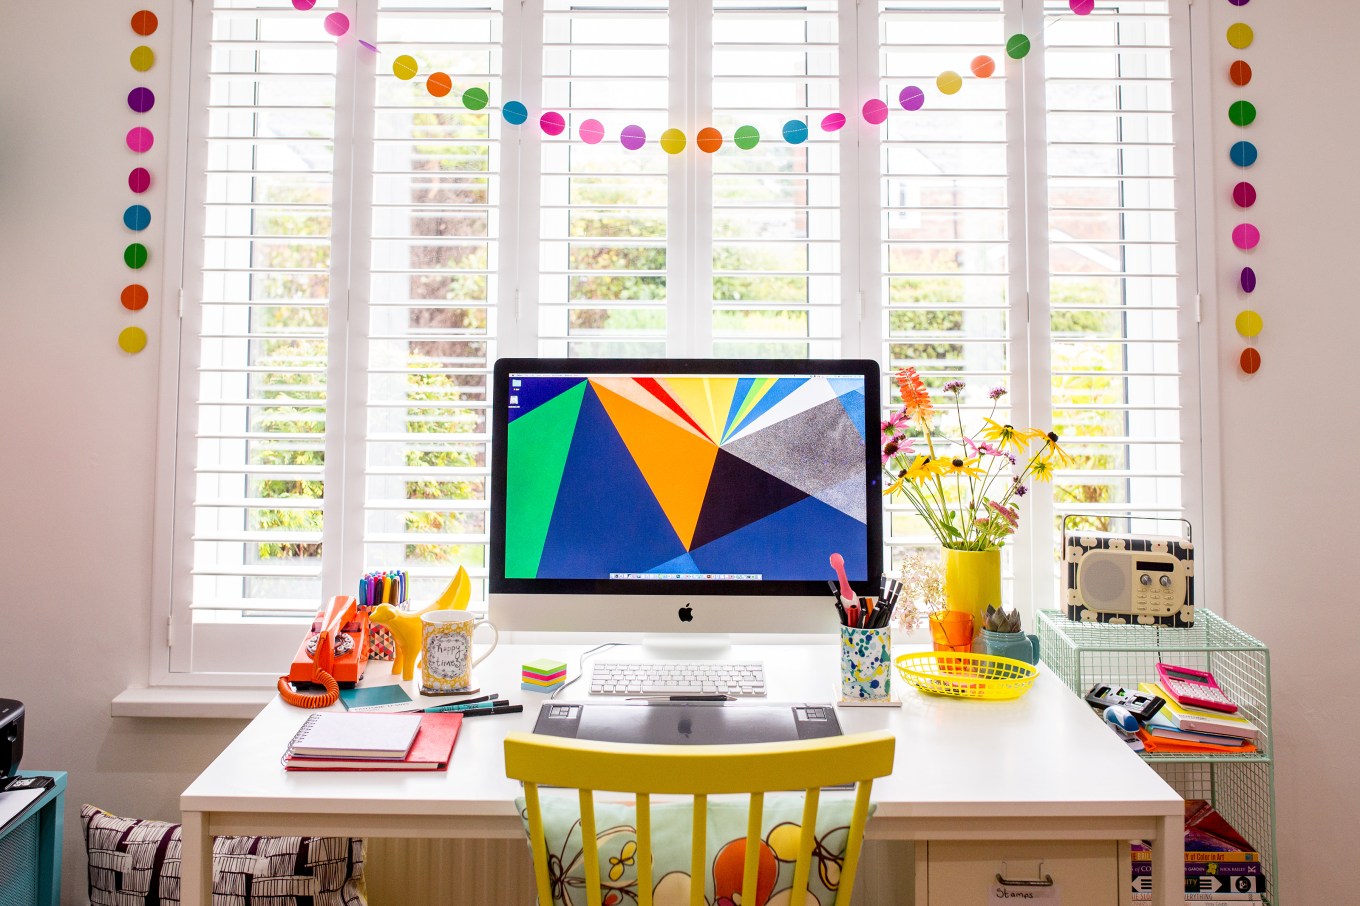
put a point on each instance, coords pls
(1005, 512)
(898, 445)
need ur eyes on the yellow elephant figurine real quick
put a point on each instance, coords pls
(405, 626)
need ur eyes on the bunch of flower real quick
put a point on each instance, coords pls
(966, 487)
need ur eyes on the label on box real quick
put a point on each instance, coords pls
(1048, 894)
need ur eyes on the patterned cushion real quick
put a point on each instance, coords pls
(616, 837)
(134, 861)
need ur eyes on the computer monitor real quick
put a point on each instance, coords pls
(667, 496)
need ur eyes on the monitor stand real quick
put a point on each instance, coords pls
(686, 646)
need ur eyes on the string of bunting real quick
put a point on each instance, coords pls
(1245, 235)
(137, 216)
(708, 139)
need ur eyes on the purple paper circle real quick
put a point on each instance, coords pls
(139, 180)
(632, 137)
(1239, 2)
(1248, 280)
(552, 122)
(1244, 195)
(875, 111)
(140, 139)
(141, 100)
(911, 98)
(1245, 236)
(832, 122)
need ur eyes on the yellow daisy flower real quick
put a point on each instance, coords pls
(959, 466)
(922, 467)
(1054, 453)
(1042, 470)
(1005, 436)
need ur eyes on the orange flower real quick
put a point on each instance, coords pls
(915, 396)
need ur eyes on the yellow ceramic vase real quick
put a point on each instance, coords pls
(972, 580)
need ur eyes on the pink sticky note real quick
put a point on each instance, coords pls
(140, 139)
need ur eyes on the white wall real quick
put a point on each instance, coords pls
(78, 416)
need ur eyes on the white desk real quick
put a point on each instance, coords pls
(1037, 768)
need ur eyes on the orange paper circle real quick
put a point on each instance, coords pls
(1240, 72)
(983, 66)
(439, 84)
(135, 297)
(144, 22)
(1250, 360)
(709, 140)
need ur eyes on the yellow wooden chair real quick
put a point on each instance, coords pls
(698, 771)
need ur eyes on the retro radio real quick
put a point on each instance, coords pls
(1140, 579)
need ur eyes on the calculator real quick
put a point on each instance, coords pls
(1193, 688)
(1139, 704)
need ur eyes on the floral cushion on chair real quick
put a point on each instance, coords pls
(135, 860)
(616, 837)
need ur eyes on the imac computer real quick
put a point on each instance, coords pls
(682, 496)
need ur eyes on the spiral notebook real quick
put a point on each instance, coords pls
(348, 735)
(431, 751)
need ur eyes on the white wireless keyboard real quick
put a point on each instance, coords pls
(671, 678)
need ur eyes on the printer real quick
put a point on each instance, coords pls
(11, 736)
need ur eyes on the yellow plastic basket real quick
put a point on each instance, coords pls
(967, 675)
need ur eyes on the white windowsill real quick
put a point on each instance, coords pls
(189, 701)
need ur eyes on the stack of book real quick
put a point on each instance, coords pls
(349, 741)
(1220, 865)
(1176, 728)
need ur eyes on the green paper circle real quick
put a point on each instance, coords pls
(746, 137)
(1017, 48)
(135, 255)
(474, 98)
(1242, 113)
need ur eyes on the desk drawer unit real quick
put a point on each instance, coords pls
(1085, 872)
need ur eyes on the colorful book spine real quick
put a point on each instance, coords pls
(1210, 886)
(1219, 869)
(1143, 855)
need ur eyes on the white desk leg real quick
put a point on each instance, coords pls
(1168, 861)
(195, 868)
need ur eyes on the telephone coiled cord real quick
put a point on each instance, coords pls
(311, 699)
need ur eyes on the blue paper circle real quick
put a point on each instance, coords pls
(137, 217)
(795, 132)
(514, 112)
(1243, 154)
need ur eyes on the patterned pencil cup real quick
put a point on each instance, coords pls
(446, 650)
(866, 664)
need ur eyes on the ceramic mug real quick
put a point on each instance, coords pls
(446, 650)
(1017, 645)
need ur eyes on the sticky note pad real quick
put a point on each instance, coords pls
(544, 666)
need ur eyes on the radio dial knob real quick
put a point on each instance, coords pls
(1166, 581)
(1145, 579)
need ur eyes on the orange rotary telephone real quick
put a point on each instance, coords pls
(334, 652)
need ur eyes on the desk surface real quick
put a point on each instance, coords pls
(1041, 756)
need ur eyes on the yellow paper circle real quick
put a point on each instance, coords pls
(1240, 35)
(1249, 323)
(949, 82)
(672, 141)
(404, 67)
(132, 339)
(143, 58)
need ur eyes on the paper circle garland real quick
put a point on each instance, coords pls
(135, 255)
(475, 98)
(1082, 7)
(672, 141)
(982, 66)
(708, 140)
(949, 82)
(1243, 154)
(515, 113)
(795, 132)
(142, 58)
(438, 84)
(591, 132)
(404, 67)
(1239, 72)
(911, 98)
(1244, 195)
(746, 137)
(144, 22)
(1247, 280)
(1242, 113)
(832, 122)
(1250, 360)
(632, 137)
(1240, 35)
(875, 111)
(139, 180)
(134, 297)
(1017, 47)
(1245, 236)
(337, 24)
(140, 139)
(137, 217)
(552, 123)
(1249, 323)
(132, 339)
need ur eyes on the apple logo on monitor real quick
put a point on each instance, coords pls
(685, 613)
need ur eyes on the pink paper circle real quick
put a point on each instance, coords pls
(303, 5)
(875, 111)
(140, 139)
(632, 137)
(832, 122)
(911, 98)
(1244, 195)
(1245, 236)
(552, 123)
(591, 131)
(337, 24)
(1082, 7)
(139, 180)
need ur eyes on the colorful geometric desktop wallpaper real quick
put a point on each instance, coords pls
(684, 475)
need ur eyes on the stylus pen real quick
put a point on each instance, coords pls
(482, 712)
(462, 706)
